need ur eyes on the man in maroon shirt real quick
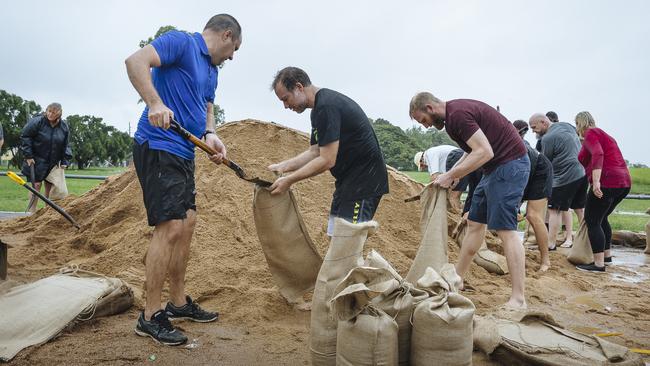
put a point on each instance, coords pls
(492, 143)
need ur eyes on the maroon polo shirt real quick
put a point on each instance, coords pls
(465, 116)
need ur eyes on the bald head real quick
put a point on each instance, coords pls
(539, 123)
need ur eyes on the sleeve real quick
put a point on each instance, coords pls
(27, 136)
(67, 152)
(463, 125)
(594, 149)
(170, 46)
(328, 125)
(547, 148)
(433, 162)
(210, 93)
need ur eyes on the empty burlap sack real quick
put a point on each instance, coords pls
(442, 324)
(647, 238)
(433, 226)
(290, 253)
(375, 260)
(529, 235)
(344, 253)
(492, 262)
(536, 339)
(57, 179)
(580, 252)
(366, 335)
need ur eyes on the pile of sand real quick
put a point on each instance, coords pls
(227, 269)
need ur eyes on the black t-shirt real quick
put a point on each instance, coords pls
(360, 170)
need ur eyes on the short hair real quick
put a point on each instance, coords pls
(224, 22)
(521, 126)
(289, 77)
(584, 121)
(420, 100)
(552, 116)
(54, 107)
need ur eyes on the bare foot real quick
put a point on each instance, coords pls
(514, 305)
(567, 244)
(544, 267)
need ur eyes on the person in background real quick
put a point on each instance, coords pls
(537, 192)
(610, 182)
(45, 143)
(436, 161)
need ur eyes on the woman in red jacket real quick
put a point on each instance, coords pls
(610, 183)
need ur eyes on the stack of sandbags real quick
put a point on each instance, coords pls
(290, 253)
(399, 304)
(366, 335)
(442, 324)
(581, 252)
(536, 339)
(344, 253)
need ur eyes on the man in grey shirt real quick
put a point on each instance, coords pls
(560, 144)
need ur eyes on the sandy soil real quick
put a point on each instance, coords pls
(227, 271)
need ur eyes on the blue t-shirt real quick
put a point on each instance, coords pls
(186, 81)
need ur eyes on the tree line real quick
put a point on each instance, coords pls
(92, 141)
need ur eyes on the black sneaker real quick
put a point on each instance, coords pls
(592, 267)
(160, 329)
(608, 261)
(191, 311)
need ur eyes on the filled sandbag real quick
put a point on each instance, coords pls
(344, 253)
(647, 238)
(366, 335)
(443, 323)
(56, 302)
(629, 239)
(536, 339)
(376, 260)
(433, 227)
(59, 189)
(290, 253)
(491, 261)
(580, 252)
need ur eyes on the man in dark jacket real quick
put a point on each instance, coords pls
(45, 144)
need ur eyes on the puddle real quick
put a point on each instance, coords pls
(632, 264)
(588, 301)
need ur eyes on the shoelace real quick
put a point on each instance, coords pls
(164, 322)
(197, 310)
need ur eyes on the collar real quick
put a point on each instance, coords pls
(201, 42)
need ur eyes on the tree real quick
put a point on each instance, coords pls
(14, 114)
(94, 142)
(219, 113)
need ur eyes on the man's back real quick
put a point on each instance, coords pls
(561, 145)
(436, 158)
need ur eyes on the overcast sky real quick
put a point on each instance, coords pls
(525, 56)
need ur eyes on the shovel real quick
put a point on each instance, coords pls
(13, 176)
(229, 163)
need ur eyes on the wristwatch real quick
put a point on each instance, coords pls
(206, 132)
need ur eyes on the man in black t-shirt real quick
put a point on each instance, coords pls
(342, 140)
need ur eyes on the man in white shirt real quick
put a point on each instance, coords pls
(434, 160)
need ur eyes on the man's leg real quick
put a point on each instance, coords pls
(37, 187)
(535, 216)
(474, 237)
(166, 236)
(567, 224)
(178, 260)
(554, 219)
(48, 189)
(580, 212)
(515, 257)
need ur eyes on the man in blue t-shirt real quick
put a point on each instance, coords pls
(342, 141)
(176, 76)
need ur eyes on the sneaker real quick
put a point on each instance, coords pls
(592, 267)
(608, 261)
(191, 311)
(159, 329)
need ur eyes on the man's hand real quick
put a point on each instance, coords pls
(30, 162)
(595, 187)
(280, 185)
(444, 180)
(63, 166)
(214, 142)
(278, 168)
(160, 115)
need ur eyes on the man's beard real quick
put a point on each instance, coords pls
(438, 123)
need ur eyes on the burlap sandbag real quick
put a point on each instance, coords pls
(57, 179)
(647, 238)
(580, 252)
(344, 253)
(290, 253)
(442, 324)
(492, 262)
(366, 335)
(433, 226)
(536, 339)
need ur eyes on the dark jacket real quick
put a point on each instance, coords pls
(45, 144)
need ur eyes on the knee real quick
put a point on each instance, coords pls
(171, 231)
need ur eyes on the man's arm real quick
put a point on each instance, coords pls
(211, 137)
(297, 161)
(325, 160)
(138, 67)
(481, 154)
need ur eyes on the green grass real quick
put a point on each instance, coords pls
(640, 180)
(421, 177)
(14, 197)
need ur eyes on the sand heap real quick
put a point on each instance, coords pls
(227, 269)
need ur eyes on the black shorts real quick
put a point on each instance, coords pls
(167, 183)
(572, 195)
(452, 159)
(540, 186)
(354, 211)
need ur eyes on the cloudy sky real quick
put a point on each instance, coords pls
(525, 56)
